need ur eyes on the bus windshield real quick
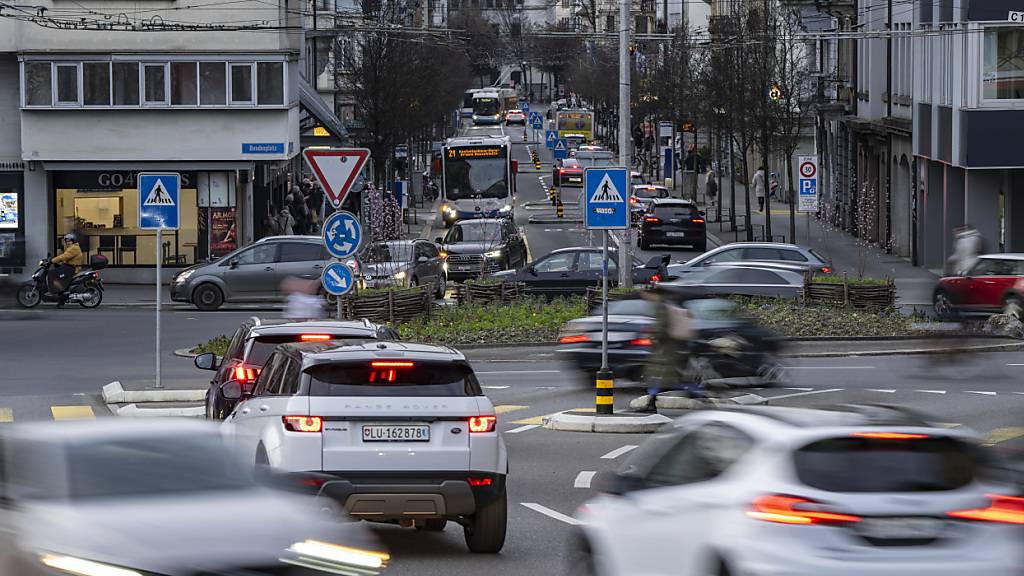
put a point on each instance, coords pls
(486, 106)
(467, 178)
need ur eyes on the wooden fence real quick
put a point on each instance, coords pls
(391, 306)
(480, 293)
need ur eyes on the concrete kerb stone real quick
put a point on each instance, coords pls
(133, 411)
(618, 423)
(114, 393)
(554, 220)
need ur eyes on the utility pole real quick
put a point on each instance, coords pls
(625, 139)
(765, 89)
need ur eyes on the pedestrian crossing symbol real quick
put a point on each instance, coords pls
(158, 196)
(159, 208)
(605, 196)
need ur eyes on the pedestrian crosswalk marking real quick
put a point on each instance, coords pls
(1002, 435)
(72, 412)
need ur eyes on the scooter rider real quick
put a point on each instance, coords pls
(68, 264)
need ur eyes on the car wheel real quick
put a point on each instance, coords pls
(702, 247)
(207, 297)
(442, 287)
(943, 306)
(91, 297)
(432, 525)
(644, 245)
(1014, 306)
(485, 532)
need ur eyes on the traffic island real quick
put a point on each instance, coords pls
(680, 400)
(621, 422)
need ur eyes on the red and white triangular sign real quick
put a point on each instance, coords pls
(336, 169)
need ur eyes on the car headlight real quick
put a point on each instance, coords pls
(400, 275)
(316, 554)
(184, 276)
(493, 254)
(506, 208)
(83, 567)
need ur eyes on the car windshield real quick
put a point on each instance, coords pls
(389, 252)
(474, 232)
(392, 378)
(650, 193)
(712, 309)
(570, 163)
(263, 346)
(472, 177)
(153, 466)
(676, 211)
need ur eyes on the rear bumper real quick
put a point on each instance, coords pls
(391, 496)
(662, 236)
(624, 362)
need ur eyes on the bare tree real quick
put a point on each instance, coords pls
(479, 40)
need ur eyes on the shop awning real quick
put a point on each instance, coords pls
(315, 106)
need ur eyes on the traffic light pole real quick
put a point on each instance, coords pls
(625, 142)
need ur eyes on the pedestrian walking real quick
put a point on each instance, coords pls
(773, 185)
(669, 357)
(298, 210)
(531, 95)
(270, 221)
(711, 186)
(759, 187)
(285, 221)
(303, 301)
(966, 249)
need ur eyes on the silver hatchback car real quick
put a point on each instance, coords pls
(253, 273)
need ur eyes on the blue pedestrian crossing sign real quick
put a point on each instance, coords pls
(159, 195)
(525, 107)
(561, 149)
(337, 278)
(536, 120)
(606, 195)
(550, 137)
(342, 234)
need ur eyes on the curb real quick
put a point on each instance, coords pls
(114, 393)
(639, 424)
(912, 351)
(554, 220)
(133, 411)
(185, 353)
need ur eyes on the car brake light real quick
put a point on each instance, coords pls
(1002, 509)
(795, 510)
(697, 220)
(652, 219)
(244, 374)
(481, 424)
(889, 435)
(656, 278)
(574, 339)
(314, 337)
(313, 424)
(561, 170)
(641, 341)
(392, 364)
(480, 481)
(632, 200)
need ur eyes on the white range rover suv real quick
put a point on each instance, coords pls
(394, 432)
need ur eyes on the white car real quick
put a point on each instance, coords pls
(856, 490)
(394, 432)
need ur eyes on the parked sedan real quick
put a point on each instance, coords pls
(572, 270)
(672, 221)
(254, 272)
(478, 247)
(404, 263)
(567, 172)
(746, 280)
(760, 251)
(994, 284)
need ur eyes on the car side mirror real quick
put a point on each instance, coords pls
(207, 361)
(231, 390)
(531, 269)
(423, 260)
(610, 482)
(233, 263)
(438, 240)
(702, 213)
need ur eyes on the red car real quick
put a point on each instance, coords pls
(994, 284)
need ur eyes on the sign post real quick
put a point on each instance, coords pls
(342, 235)
(159, 209)
(606, 207)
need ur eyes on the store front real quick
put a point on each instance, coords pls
(102, 209)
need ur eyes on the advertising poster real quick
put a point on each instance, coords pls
(223, 234)
(8, 210)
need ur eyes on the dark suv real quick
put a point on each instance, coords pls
(253, 343)
(673, 221)
(481, 247)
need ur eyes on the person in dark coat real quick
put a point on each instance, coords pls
(298, 210)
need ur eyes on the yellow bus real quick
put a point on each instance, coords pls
(575, 122)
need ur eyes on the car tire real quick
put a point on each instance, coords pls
(431, 525)
(702, 247)
(442, 287)
(943, 307)
(644, 245)
(207, 297)
(485, 532)
(1014, 306)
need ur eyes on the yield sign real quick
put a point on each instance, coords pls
(336, 169)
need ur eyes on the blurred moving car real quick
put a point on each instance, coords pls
(632, 328)
(515, 117)
(159, 496)
(394, 432)
(994, 284)
(749, 279)
(404, 263)
(254, 341)
(853, 490)
(254, 272)
(568, 271)
(672, 221)
(567, 172)
(760, 251)
(474, 248)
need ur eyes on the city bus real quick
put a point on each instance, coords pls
(478, 178)
(575, 123)
(467, 102)
(487, 107)
(509, 99)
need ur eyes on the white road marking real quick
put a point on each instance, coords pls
(931, 391)
(980, 392)
(521, 372)
(551, 513)
(495, 387)
(887, 391)
(1021, 393)
(618, 452)
(522, 429)
(770, 398)
(831, 367)
(1015, 364)
(802, 389)
(583, 479)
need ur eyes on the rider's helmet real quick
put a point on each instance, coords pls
(69, 237)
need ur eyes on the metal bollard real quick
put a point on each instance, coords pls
(553, 195)
(605, 392)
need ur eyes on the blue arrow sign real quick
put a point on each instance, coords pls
(342, 234)
(561, 149)
(550, 137)
(337, 278)
(159, 206)
(606, 197)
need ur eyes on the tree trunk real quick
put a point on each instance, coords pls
(746, 191)
(792, 200)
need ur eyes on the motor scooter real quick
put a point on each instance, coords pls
(85, 287)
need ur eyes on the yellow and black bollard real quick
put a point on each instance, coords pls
(605, 392)
(559, 209)
(552, 194)
(525, 132)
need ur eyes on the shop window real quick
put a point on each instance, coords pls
(184, 84)
(67, 84)
(96, 83)
(126, 83)
(241, 83)
(270, 83)
(1003, 74)
(213, 84)
(38, 84)
(155, 84)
